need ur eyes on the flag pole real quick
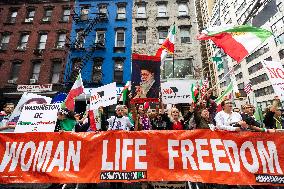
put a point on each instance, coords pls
(174, 65)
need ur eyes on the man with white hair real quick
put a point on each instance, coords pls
(119, 121)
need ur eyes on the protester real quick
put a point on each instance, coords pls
(158, 123)
(119, 121)
(5, 125)
(82, 122)
(66, 120)
(229, 120)
(247, 116)
(143, 120)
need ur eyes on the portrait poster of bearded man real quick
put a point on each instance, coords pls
(145, 79)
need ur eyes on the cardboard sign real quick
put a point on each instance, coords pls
(28, 98)
(238, 158)
(275, 72)
(103, 96)
(38, 118)
(176, 91)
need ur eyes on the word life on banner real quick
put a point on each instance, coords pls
(176, 91)
(38, 118)
(146, 156)
(103, 96)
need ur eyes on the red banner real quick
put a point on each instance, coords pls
(243, 158)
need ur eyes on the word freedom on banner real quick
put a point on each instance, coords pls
(244, 159)
(38, 118)
(103, 96)
(175, 92)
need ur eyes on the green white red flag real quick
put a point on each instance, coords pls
(168, 45)
(236, 41)
(76, 90)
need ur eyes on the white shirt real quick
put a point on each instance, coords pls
(122, 123)
(224, 120)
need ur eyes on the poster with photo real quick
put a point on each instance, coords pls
(145, 78)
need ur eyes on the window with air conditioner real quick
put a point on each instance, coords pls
(97, 71)
(56, 70)
(16, 66)
(183, 9)
(42, 41)
(121, 12)
(12, 16)
(30, 16)
(141, 36)
(185, 35)
(100, 38)
(61, 40)
(120, 38)
(47, 15)
(36, 70)
(118, 71)
(4, 41)
(84, 13)
(162, 10)
(66, 14)
(23, 42)
(141, 11)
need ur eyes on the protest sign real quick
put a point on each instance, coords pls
(38, 118)
(28, 98)
(34, 88)
(176, 91)
(103, 96)
(243, 158)
(275, 74)
(145, 78)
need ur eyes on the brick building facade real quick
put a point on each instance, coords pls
(32, 41)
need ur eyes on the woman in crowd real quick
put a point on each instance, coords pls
(143, 120)
(229, 120)
(119, 121)
(66, 120)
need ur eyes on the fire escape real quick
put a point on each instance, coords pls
(77, 44)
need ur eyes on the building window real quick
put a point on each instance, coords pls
(23, 42)
(103, 8)
(120, 38)
(56, 70)
(36, 70)
(80, 39)
(47, 15)
(84, 13)
(66, 15)
(162, 10)
(182, 68)
(4, 41)
(61, 40)
(118, 71)
(185, 35)
(42, 41)
(100, 39)
(163, 33)
(183, 9)
(141, 11)
(76, 64)
(141, 36)
(12, 17)
(30, 15)
(121, 12)
(281, 54)
(97, 71)
(16, 66)
(280, 39)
